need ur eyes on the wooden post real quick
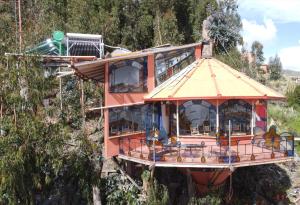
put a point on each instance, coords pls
(1, 109)
(60, 92)
(82, 102)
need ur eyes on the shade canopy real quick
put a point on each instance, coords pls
(211, 79)
(95, 69)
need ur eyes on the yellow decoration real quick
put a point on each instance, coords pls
(272, 138)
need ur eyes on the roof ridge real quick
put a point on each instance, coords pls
(185, 77)
(248, 78)
(172, 79)
(213, 76)
(231, 70)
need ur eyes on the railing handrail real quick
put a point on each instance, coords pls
(241, 148)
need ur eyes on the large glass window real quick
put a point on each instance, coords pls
(129, 119)
(196, 117)
(239, 113)
(171, 62)
(128, 76)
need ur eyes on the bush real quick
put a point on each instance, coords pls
(157, 194)
(116, 189)
(209, 199)
(294, 97)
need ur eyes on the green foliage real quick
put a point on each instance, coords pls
(209, 199)
(146, 175)
(225, 26)
(258, 54)
(285, 118)
(116, 189)
(275, 67)
(298, 148)
(41, 158)
(157, 194)
(199, 12)
(71, 102)
(166, 30)
(234, 59)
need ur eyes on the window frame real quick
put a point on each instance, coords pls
(143, 86)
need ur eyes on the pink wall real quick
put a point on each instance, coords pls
(114, 99)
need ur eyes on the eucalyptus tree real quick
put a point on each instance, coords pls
(225, 25)
(257, 53)
(275, 67)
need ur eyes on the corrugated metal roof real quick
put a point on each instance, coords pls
(211, 79)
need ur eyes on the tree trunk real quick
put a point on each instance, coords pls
(96, 196)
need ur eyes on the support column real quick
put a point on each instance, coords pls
(217, 118)
(177, 121)
(229, 141)
(82, 102)
(252, 118)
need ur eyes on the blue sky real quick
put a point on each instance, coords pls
(276, 24)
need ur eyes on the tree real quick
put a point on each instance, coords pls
(275, 67)
(225, 26)
(257, 53)
(198, 12)
(294, 97)
(41, 158)
(165, 24)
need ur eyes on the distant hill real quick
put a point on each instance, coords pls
(291, 73)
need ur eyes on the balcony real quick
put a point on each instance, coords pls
(208, 152)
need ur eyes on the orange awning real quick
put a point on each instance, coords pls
(211, 79)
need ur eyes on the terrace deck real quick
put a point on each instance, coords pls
(206, 152)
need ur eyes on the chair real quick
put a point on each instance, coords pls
(114, 130)
(206, 127)
(194, 130)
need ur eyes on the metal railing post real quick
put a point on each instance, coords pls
(229, 143)
(272, 154)
(153, 149)
(286, 147)
(293, 144)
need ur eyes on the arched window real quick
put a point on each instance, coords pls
(197, 117)
(239, 113)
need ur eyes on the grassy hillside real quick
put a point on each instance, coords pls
(285, 117)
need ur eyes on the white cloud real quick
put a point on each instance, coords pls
(261, 32)
(282, 11)
(290, 58)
